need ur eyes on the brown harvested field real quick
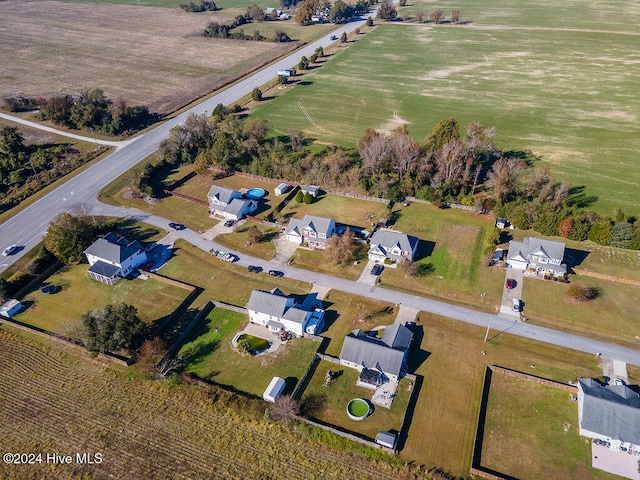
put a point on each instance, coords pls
(148, 56)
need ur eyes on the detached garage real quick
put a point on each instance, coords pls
(274, 390)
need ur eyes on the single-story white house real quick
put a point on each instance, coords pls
(10, 308)
(229, 203)
(311, 230)
(378, 360)
(392, 245)
(278, 311)
(112, 258)
(280, 189)
(274, 390)
(610, 413)
(501, 223)
(537, 254)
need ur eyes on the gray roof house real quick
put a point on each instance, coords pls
(537, 254)
(112, 258)
(392, 245)
(228, 203)
(610, 413)
(311, 229)
(278, 311)
(377, 359)
(310, 189)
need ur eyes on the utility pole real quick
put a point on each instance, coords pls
(486, 335)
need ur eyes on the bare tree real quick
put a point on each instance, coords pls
(255, 235)
(421, 15)
(450, 163)
(340, 248)
(296, 138)
(456, 16)
(437, 16)
(502, 177)
(405, 152)
(375, 154)
(285, 409)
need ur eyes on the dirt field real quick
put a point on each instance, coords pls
(149, 56)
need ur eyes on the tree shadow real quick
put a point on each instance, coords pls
(313, 405)
(133, 232)
(578, 197)
(505, 236)
(526, 155)
(181, 181)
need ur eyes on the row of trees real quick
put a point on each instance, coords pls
(218, 30)
(323, 10)
(203, 6)
(93, 110)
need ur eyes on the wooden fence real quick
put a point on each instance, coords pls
(532, 378)
(602, 276)
(186, 197)
(201, 314)
(228, 306)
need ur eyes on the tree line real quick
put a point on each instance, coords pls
(323, 10)
(254, 13)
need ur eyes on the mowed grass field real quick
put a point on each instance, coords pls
(527, 420)
(148, 56)
(568, 96)
(55, 400)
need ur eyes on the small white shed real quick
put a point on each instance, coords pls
(386, 439)
(10, 308)
(280, 189)
(274, 390)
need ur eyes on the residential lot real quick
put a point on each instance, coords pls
(584, 134)
(209, 354)
(527, 421)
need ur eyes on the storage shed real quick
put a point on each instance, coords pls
(282, 188)
(386, 439)
(274, 390)
(10, 308)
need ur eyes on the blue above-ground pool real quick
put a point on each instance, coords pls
(255, 193)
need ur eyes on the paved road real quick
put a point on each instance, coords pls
(497, 324)
(27, 227)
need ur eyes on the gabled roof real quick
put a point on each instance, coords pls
(387, 239)
(277, 304)
(376, 353)
(313, 223)
(114, 252)
(223, 194)
(236, 205)
(611, 410)
(104, 269)
(520, 251)
(312, 189)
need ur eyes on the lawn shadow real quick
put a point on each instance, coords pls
(578, 197)
(290, 385)
(129, 229)
(408, 416)
(526, 155)
(417, 356)
(181, 181)
(425, 249)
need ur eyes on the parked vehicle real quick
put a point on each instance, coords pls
(48, 289)
(177, 226)
(516, 305)
(333, 38)
(10, 250)
(276, 273)
(377, 269)
(618, 381)
(511, 283)
(229, 223)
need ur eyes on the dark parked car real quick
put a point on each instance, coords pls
(377, 269)
(276, 273)
(10, 250)
(229, 223)
(511, 283)
(254, 268)
(49, 289)
(177, 226)
(333, 37)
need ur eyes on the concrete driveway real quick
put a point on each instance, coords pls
(508, 294)
(284, 249)
(219, 229)
(366, 277)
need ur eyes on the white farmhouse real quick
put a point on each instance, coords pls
(537, 254)
(311, 230)
(279, 312)
(229, 203)
(112, 258)
(392, 245)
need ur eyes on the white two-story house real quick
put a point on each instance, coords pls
(229, 203)
(278, 311)
(392, 245)
(112, 258)
(311, 230)
(537, 254)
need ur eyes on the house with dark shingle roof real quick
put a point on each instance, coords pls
(378, 360)
(392, 245)
(610, 413)
(228, 203)
(537, 254)
(277, 311)
(111, 258)
(311, 230)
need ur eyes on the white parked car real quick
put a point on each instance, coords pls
(618, 381)
(516, 305)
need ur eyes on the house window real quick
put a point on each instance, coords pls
(321, 235)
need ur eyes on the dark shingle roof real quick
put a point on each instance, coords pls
(223, 194)
(104, 269)
(384, 241)
(115, 252)
(611, 410)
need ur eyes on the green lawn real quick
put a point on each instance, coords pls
(220, 280)
(239, 240)
(296, 32)
(545, 92)
(329, 403)
(317, 261)
(209, 355)
(350, 211)
(452, 365)
(345, 313)
(61, 311)
(526, 420)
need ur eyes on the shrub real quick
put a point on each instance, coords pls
(581, 294)
(299, 196)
